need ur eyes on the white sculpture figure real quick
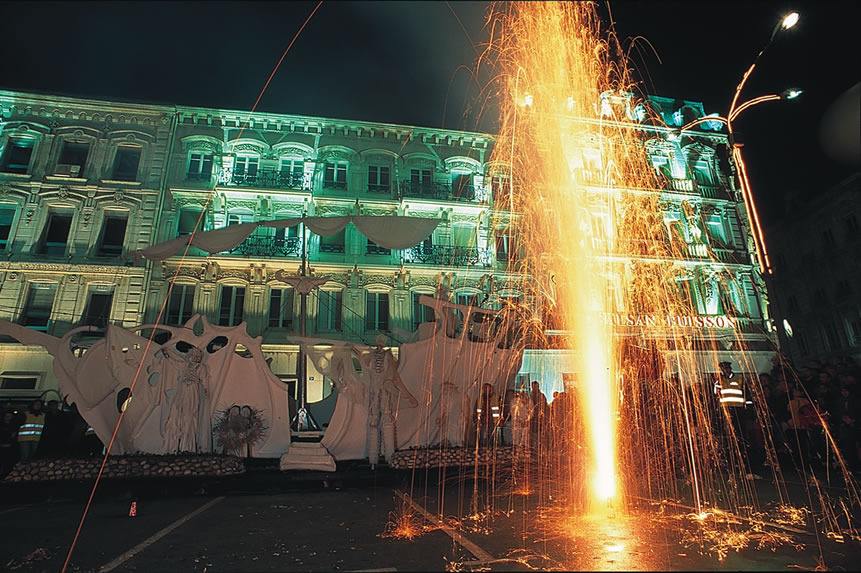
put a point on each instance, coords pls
(182, 428)
(385, 387)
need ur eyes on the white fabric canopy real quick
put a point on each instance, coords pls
(390, 232)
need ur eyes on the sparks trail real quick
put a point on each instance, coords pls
(161, 311)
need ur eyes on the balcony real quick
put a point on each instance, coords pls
(269, 179)
(681, 185)
(437, 191)
(448, 256)
(380, 189)
(267, 246)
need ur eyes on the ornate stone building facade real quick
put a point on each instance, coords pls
(80, 188)
(85, 183)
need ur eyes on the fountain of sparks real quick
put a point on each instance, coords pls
(564, 170)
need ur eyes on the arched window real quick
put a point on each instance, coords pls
(245, 167)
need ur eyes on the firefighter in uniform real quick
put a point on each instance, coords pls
(30, 432)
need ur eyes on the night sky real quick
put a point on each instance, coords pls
(411, 62)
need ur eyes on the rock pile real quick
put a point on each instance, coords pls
(144, 466)
(434, 457)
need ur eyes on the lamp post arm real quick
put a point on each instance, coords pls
(751, 103)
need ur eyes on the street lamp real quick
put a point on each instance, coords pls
(787, 22)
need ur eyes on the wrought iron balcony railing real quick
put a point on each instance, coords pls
(267, 246)
(438, 191)
(448, 256)
(269, 179)
(339, 185)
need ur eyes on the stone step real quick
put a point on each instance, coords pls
(307, 456)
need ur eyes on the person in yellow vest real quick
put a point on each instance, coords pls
(30, 432)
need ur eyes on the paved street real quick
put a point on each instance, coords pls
(267, 522)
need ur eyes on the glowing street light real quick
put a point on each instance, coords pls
(789, 20)
(791, 93)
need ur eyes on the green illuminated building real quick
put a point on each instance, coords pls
(85, 183)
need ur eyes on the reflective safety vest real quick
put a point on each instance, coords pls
(730, 392)
(31, 429)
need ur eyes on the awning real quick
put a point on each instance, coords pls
(390, 232)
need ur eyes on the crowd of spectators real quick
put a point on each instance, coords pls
(43, 430)
(806, 402)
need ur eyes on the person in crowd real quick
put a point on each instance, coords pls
(538, 416)
(521, 409)
(802, 417)
(8, 442)
(56, 431)
(846, 418)
(30, 432)
(485, 421)
(77, 430)
(507, 436)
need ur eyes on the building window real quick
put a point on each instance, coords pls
(16, 156)
(238, 218)
(200, 166)
(18, 381)
(851, 224)
(333, 243)
(281, 308)
(793, 304)
(375, 249)
(113, 235)
(232, 305)
(188, 219)
(7, 217)
(421, 313)
(378, 179)
(421, 177)
(245, 167)
(335, 175)
(377, 311)
(73, 158)
(461, 187)
(98, 310)
(844, 289)
(37, 309)
(466, 299)
(505, 247)
(293, 172)
(126, 163)
(703, 173)
(56, 234)
(828, 238)
(329, 310)
(802, 343)
(180, 306)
